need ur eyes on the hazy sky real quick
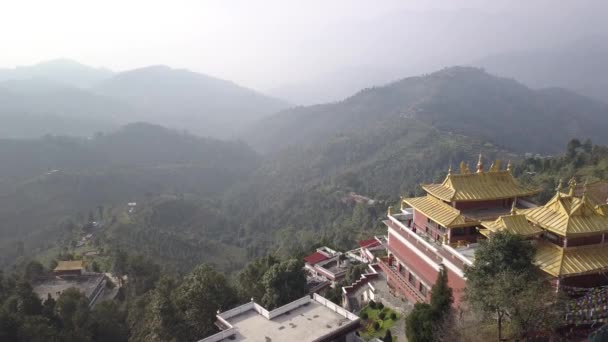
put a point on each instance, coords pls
(263, 44)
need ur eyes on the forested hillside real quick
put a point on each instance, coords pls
(461, 100)
(48, 186)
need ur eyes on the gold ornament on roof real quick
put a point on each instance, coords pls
(572, 184)
(480, 164)
(559, 185)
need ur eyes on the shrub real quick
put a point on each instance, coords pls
(376, 325)
(363, 315)
(393, 316)
(372, 304)
(381, 315)
(380, 306)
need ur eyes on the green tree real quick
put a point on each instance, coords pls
(499, 278)
(108, 323)
(202, 293)
(167, 321)
(249, 280)
(284, 283)
(73, 310)
(422, 323)
(33, 270)
(38, 329)
(441, 294)
(27, 302)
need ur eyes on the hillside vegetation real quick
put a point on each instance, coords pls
(461, 100)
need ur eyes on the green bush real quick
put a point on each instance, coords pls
(372, 304)
(393, 316)
(363, 315)
(381, 315)
(380, 306)
(376, 325)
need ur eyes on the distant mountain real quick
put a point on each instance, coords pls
(334, 86)
(579, 66)
(64, 97)
(460, 100)
(64, 71)
(187, 100)
(35, 107)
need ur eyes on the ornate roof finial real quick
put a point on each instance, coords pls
(480, 164)
(514, 206)
(572, 184)
(390, 210)
(463, 168)
(402, 206)
(560, 185)
(509, 165)
(585, 189)
(450, 170)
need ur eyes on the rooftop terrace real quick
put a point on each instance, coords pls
(306, 319)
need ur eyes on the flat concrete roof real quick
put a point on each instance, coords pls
(84, 283)
(305, 323)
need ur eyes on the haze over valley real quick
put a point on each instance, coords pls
(195, 153)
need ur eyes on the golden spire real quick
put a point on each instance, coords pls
(480, 164)
(390, 210)
(585, 190)
(450, 170)
(560, 185)
(572, 184)
(463, 168)
(509, 165)
(402, 207)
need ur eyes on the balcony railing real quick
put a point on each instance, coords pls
(401, 282)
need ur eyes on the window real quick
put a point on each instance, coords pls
(422, 289)
(411, 278)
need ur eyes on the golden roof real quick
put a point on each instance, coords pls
(438, 211)
(515, 224)
(568, 215)
(71, 265)
(572, 261)
(478, 186)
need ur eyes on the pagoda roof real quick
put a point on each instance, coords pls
(568, 215)
(315, 258)
(71, 265)
(439, 211)
(572, 261)
(490, 185)
(514, 223)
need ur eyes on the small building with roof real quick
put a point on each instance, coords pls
(69, 268)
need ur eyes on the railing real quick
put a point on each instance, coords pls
(421, 245)
(401, 282)
(335, 308)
